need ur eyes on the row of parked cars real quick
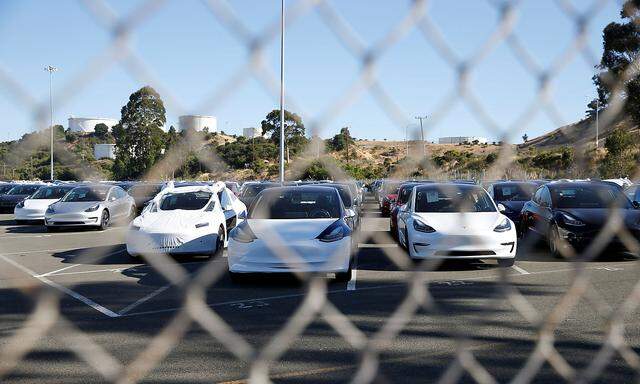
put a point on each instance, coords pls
(315, 220)
(567, 215)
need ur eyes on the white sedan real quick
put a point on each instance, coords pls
(456, 221)
(34, 207)
(185, 220)
(293, 229)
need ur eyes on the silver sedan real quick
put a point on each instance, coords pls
(90, 206)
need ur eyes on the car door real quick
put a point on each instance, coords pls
(546, 212)
(226, 202)
(404, 213)
(531, 211)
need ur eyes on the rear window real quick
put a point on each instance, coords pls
(50, 193)
(452, 198)
(252, 190)
(190, 201)
(514, 192)
(297, 204)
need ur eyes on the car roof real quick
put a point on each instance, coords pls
(583, 183)
(448, 185)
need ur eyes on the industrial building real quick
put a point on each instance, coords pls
(104, 151)
(462, 140)
(88, 124)
(198, 123)
(251, 132)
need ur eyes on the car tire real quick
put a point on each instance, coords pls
(345, 277)
(506, 263)
(553, 238)
(219, 243)
(105, 219)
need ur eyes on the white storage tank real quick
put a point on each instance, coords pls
(198, 122)
(251, 132)
(88, 124)
(104, 151)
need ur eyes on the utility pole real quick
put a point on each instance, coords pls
(406, 139)
(282, 92)
(51, 69)
(422, 133)
(597, 121)
(346, 139)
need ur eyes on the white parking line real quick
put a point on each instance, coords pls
(61, 288)
(351, 285)
(58, 270)
(521, 270)
(143, 300)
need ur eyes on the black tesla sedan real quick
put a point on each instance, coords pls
(19, 192)
(513, 195)
(576, 212)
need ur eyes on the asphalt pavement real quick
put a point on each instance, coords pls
(121, 304)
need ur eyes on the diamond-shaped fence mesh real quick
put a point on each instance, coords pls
(46, 316)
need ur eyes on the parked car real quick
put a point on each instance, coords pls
(90, 206)
(404, 192)
(349, 201)
(34, 207)
(185, 220)
(387, 195)
(512, 195)
(143, 193)
(309, 220)
(456, 221)
(250, 190)
(15, 195)
(233, 186)
(571, 214)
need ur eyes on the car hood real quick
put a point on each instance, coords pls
(176, 221)
(289, 230)
(38, 203)
(597, 217)
(461, 223)
(73, 207)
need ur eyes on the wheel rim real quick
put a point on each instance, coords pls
(554, 240)
(105, 219)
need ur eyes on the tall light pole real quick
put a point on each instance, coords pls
(422, 132)
(282, 92)
(51, 69)
(597, 121)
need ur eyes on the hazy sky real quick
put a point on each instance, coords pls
(190, 54)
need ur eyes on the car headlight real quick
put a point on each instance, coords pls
(201, 225)
(20, 204)
(504, 226)
(92, 209)
(420, 226)
(570, 220)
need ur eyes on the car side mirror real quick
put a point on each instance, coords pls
(635, 204)
(502, 208)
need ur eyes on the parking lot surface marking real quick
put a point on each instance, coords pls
(57, 270)
(520, 269)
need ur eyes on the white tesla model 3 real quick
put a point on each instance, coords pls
(456, 221)
(33, 207)
(185, 220)
(293, 229)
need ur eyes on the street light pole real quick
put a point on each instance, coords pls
(282, 92)
(422, 132)
(51, 69)
(597, 122)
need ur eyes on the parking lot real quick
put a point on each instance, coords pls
(122, 304)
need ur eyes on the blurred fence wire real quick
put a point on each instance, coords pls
(48, 317)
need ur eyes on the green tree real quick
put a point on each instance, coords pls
(294, 131)
(619, 160)
(101, 130)
(339, 142)
(316, 171)
(138, 135)
(171, 137)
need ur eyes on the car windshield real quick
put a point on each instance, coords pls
(320, 203)
(86, 194)
(5, 188)
(514, 192)
(594, 196)
(404, 193)
(144, 190)
(345, 194)
(51, 193)
(252, 190)
(453, 198)
(189, 201)
(23, 189)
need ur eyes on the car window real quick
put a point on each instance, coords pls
(86, 194)
(452, 198)
(545, 197)
(537, 197)
(513, 192)
(50, 193)
(592, 196)
(23, 189)
(322, 203)
(190, 201)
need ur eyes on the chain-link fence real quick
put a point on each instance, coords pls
(47, 315)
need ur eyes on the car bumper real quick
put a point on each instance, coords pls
(581, 240)
(142, 243)
(28, 214)
(472, 246)
(72, 219)
(301, 256)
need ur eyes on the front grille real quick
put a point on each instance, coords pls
(465, 253)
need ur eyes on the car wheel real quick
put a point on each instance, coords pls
(219, 243)
(105, 220)
(554, 242)
(506, 263)
(345, 277)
